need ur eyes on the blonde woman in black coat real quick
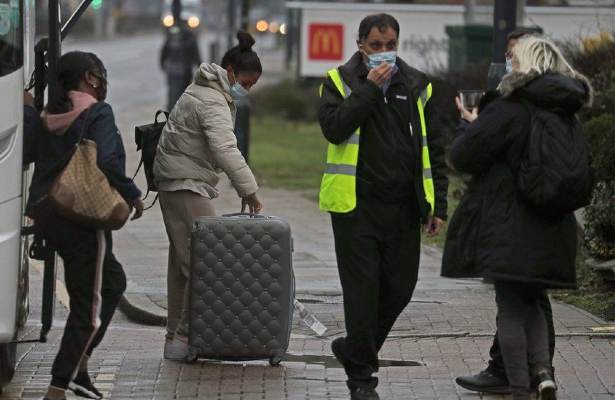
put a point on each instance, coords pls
(494, 232)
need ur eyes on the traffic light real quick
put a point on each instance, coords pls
(97, 4)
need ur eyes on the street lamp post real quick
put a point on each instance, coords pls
(504, 22)
(245, 14)
(242, 119)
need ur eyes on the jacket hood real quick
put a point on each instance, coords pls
(214, 76)
(561, 93)
(58, 124)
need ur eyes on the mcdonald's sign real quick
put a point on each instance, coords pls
(326, 42)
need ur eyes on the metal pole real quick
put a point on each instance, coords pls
(55, 47)
(245, 14)
(504, 22)
(521, 12)
(68, 26)
(469, 13)
(232, 7)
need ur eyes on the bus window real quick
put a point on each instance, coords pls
(11, 48)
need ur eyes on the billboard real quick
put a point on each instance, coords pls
(328, 31)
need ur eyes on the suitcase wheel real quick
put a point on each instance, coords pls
(192, 355)
(275, 360)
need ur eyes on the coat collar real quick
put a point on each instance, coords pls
(516, 80)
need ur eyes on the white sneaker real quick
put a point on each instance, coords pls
(176, 349)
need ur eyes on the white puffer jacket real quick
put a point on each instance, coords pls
(198, 140)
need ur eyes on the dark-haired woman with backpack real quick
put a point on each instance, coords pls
(498, 232)
(94, 285)
(196, 144)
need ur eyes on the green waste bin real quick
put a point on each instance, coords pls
(469, 44)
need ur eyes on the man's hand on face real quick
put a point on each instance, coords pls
(380, 74)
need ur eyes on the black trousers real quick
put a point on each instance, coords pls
(93, 294)
(522, 334)
(496, 364)
(378, 250)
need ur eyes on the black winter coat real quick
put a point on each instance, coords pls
(494, 233)
(50, 153)
(389, 165)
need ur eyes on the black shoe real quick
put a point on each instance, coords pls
(484, 382)
(82, 386)
(362, 393)
(546, 387)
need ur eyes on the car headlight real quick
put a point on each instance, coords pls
(194, 22)
(168, 21)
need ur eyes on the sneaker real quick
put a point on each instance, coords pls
(484, 382)
(363, 393)
(176, 349)
(82, 386)
(546, 386)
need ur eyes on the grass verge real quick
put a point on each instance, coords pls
(287, 154)
(593, 294)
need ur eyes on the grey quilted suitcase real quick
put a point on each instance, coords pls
(241, 288)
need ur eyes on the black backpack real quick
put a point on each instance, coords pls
(146, 138)
(555, 175)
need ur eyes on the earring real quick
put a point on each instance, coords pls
(94, 85)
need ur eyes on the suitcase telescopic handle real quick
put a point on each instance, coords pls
(245, 215)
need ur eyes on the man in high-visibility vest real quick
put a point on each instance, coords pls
(385, 177)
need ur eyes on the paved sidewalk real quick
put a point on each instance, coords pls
(446, 331)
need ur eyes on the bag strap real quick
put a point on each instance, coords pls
(153, 202)
(84, 126)
(138, 168)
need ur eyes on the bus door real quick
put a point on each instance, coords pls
(11, 121)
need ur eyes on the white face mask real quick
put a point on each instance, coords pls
(509, 67)
(238, 92)
(375, 59)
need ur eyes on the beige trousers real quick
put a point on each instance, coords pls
(179, 210)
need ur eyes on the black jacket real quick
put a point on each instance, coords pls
(493, 232)
(50, 153)
(389, 165)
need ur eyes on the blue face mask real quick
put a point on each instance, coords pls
(508, 65)
(238, 92)
(376, 59)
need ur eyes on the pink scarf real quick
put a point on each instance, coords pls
(58, 124)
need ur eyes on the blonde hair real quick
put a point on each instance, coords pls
(540, 55)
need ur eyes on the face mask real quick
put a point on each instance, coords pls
(376, 59)
(238, 92)
(508, 65)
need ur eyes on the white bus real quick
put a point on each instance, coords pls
(16, 55)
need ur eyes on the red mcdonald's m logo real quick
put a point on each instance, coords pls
(326, 42)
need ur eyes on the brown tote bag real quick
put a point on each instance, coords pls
(83, 194)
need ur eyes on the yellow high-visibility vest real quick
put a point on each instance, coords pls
(338, 189)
